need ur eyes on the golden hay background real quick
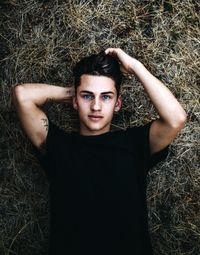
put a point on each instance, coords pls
(40, 41)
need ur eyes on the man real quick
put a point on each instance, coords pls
(98, 177)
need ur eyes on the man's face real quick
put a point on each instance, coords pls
(96, 101)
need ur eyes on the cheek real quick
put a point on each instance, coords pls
(83, 106)
(110, 109)
(111, 106)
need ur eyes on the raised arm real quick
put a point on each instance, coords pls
(172, 115)
(28, 100)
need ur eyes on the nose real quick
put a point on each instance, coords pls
(96, 105)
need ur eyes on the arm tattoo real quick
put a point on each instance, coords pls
(49, 100)
(46, 123)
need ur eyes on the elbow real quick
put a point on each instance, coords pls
(15, 94)
(180, 121)
(18, 94)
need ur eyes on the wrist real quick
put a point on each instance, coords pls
(135, 66)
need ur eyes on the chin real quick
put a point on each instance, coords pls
(98, 128)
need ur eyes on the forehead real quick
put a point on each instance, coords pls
(96, 84)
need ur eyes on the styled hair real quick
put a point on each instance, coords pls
(98, 64)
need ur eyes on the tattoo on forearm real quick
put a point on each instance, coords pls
(49, 100)
(46, 123)
(69, 91)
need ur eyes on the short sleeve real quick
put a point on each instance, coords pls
(53, 144)
(139, 137)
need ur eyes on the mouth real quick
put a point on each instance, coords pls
(95, 117)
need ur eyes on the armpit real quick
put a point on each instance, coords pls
(42, 148)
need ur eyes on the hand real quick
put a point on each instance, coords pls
(70, 91)
(126, 62)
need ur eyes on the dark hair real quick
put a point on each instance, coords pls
(98, 64)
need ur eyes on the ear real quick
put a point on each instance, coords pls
(74, 102)
(118, 104)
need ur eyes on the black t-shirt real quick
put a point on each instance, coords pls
(98, 191)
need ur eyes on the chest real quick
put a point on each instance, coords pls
(99, 173)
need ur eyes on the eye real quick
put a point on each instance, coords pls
(87, 97)
(106, 97)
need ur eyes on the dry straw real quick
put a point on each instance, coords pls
(40, 42)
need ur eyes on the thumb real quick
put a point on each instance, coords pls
(122, 69)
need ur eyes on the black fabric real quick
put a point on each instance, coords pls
(98, 191)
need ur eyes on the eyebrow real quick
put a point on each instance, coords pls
(89, 92)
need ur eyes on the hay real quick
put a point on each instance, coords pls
(40, 42)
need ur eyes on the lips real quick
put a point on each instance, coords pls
(95, 117)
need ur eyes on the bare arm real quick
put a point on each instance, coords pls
(172, 115)
(28, 100)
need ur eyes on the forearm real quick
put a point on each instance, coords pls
(167, 106)
(38, 93)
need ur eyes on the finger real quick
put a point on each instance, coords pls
(122, 69)
(107, 50)
(113, 52)
(110, 51)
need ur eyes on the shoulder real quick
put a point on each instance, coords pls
(139, 132)
(140, 137)
(57, 132)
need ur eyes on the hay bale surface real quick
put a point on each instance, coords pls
(40, 42)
